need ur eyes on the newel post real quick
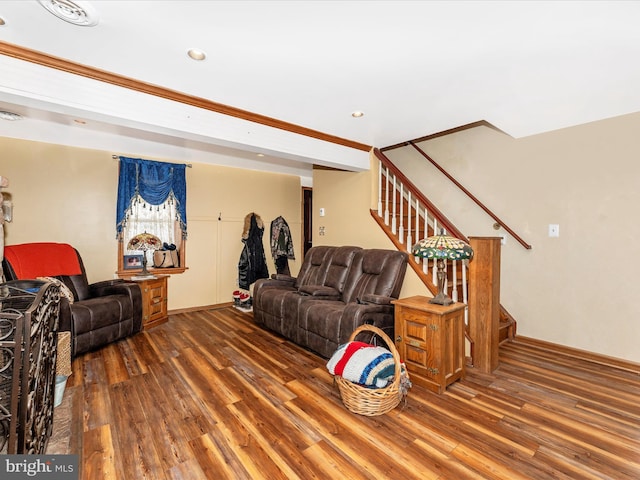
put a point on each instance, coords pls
(484, 301)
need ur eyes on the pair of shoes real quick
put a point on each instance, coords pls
(236, 297)
(241, 298)
(245, 300)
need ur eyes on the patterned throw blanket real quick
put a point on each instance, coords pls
(363, 363)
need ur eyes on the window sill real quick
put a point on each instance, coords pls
(155, 271)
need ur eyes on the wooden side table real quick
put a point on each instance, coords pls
(430, 340)
(154, 300)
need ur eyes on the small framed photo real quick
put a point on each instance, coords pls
(132, 262)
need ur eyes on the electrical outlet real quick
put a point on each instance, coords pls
(321, 231)
(554, 230)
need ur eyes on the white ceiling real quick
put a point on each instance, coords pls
(414, 68)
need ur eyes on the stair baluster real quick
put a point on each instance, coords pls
(428, 221)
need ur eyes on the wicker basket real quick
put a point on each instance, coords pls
(372, 401)
(63, 364)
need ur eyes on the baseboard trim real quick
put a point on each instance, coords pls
(216, 306)
(577, 353)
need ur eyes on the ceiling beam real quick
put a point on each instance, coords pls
(50, 61)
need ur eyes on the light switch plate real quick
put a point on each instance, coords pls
(554, 230)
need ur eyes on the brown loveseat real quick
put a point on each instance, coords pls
(100, 313)
(336, 290)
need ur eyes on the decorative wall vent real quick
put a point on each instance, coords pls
(76, 12)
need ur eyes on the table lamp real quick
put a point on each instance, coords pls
(143, 242)
(441, 248)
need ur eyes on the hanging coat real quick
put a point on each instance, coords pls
(281, 245)
(253, 263)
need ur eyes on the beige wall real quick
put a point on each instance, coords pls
(578, 289)
(347, 198)
(66, 194)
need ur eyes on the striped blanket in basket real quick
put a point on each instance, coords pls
(363, 364)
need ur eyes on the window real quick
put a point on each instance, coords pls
(159, 220)
(152, 199)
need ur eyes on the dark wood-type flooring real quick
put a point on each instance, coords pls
(209, 395)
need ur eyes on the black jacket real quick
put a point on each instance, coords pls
(253, 263)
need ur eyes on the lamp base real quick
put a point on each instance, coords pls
(441, 299)
(145, 272)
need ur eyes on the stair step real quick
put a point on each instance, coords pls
(506, 330)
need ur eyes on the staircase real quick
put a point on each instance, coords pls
(407, 216)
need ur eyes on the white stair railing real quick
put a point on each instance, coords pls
(393, 218)
(392, 190)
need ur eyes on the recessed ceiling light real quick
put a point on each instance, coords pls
(196, 54)
(357, 114)
(260, 154)
(79, 122)
(10, 116)
(73, 11)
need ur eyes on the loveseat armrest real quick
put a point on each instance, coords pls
(357, 314)
(320, 292)
(284, 278)
(276, 280)
(372, 299)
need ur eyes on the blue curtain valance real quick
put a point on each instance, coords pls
(154, 182)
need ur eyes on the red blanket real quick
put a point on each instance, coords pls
(32, 260)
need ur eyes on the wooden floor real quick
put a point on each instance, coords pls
(209, 395)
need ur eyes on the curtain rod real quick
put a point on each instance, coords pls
(116, 157)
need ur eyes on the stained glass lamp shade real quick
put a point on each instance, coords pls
(442, 248)
(143, 242)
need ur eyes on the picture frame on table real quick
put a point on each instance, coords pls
(132, 262)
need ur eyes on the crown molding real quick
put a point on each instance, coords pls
(50, 61)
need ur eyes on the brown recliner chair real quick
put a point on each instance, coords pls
(99, 314)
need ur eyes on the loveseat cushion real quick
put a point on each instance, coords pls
(314, 267)
(323, 318)
(375, 272)
(320, 291)
(374, 299)
(339, 266)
